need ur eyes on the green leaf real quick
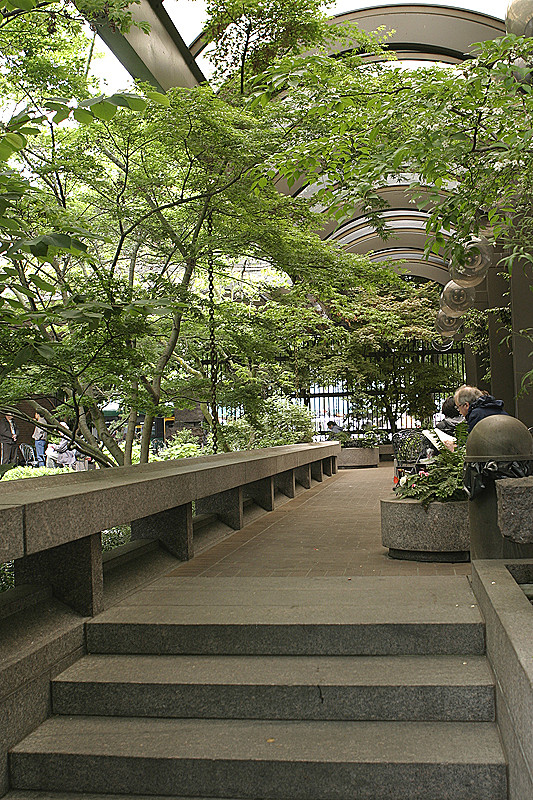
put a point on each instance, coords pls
(104, 110)
(83, 116)
(159, 98)
(128, 100)
(42, 284)
(91, 101)
(10, 224)
(25, 5)
(54, 105)
(45, 350)
(59, 116)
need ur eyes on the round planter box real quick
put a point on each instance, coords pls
(353, 457)
(440, 533)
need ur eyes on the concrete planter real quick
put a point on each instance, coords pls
(386, 452)
(353, 457)
(440, 533)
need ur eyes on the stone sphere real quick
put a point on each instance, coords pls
(497, 436)
(519, 18)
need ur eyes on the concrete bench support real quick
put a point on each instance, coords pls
(73, 570)
(262, 492)
(285, 482)
(334, 468)
(317, 471)
(302, 476)
(172, 527)
(226, 505)
(326, 466)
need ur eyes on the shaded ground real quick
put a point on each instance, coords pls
(331, 529)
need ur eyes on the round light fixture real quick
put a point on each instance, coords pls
(441, 345)
(447, 326)
(456, 299)
(472, 268)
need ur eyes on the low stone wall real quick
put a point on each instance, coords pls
(509, 631)
(438, 533)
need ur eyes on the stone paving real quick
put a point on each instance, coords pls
(332, 529)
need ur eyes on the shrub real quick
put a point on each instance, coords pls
(280, 422)
(114, 537)
(7, 576)
(184, 444)
(32, 472)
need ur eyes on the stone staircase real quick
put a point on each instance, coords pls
(278, 689)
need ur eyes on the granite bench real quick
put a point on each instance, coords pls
(50, 527)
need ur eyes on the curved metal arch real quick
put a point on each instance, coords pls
(426, 32)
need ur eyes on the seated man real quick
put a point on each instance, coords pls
(474, 405)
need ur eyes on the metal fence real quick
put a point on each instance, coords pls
(336, 401)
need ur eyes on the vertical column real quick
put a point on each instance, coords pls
(501, 354)
(474, 369)
(522, 319)
(173, 528)
(326, 466)
(302, 475)
(316, 470)
(285, 482)
(262, 492)
(73, 570)
(226, 505)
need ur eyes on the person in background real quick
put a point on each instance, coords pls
(474, 405)
(8, 440)
(452, 418)
(333, 427)
(63, 454)
(40, 438)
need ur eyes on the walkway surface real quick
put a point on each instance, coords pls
(332, 529)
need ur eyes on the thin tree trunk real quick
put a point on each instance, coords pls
(105, 436)
(130, 430)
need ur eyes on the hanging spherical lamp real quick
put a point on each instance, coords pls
(456, 299)
(519, 18)
(447, 326)
(472, 268)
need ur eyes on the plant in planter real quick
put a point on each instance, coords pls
(360, 452)
(441, 480)
(427, 517)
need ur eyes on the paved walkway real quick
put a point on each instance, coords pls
(332, 529)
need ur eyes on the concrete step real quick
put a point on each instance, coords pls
(266, 759)
(320, 616)
(279, 687)
(29, 795)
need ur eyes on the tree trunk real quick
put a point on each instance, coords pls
(130, 432)
(146, 438)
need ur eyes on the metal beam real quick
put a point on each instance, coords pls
(161, 57)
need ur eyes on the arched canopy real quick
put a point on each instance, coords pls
(427, 32)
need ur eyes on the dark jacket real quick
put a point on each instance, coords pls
(484, 406)
(5, 430)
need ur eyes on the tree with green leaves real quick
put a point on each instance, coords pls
(113, 323)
